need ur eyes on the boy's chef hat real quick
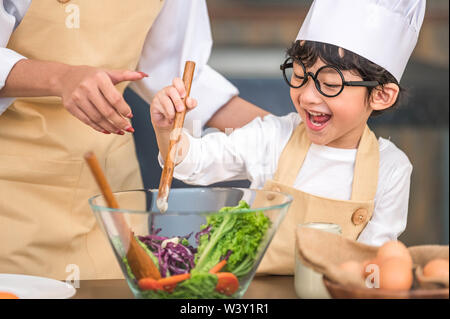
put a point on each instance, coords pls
(382, 31)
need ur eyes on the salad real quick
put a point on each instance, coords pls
(227, 247)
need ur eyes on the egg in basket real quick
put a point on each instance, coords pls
(354, 270)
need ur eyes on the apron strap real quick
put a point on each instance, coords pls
(292, 157)
(365, 177)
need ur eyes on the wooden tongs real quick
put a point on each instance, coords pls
(169, 163)
(140, 262)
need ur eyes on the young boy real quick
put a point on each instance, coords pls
(344, 67)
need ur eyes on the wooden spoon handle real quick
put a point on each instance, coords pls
(178, 124)
(119, 221)
(169, 163)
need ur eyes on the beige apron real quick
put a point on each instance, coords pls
(352, 215)
(45, 220)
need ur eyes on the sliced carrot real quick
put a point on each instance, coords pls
(7, 295)
(169, 283)
(149, 284)
(227, 283)
(218, 267)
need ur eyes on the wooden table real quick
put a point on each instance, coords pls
(263, 287)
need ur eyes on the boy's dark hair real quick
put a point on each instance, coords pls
(309, 51)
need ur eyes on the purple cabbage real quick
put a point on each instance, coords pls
(173, 258)
(207, 230)
(229, 252)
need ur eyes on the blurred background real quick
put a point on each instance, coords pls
(250, 40)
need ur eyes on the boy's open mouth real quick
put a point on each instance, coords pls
(317, 121)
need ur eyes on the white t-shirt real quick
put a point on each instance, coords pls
(253, 151)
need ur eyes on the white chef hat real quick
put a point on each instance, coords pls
(382, 31)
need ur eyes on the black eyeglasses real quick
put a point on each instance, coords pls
(328, 79)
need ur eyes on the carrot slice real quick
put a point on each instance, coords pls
(149, 283)
(7, 295)
(169, 283)
(227, 283)
(218, 267)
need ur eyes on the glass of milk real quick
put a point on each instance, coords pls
(309, 283)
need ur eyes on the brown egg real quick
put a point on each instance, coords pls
(394, 248)
(436, 268)
(395, 274)
(353, 267)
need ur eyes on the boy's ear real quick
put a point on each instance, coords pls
(384, 97)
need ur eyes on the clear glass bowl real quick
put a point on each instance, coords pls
(190, 211)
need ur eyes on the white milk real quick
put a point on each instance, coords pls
(308, 283)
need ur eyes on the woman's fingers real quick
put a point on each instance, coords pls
(114, 97)
(92, 91)
(79, 114)
(109, 112)
(118, 76)
(96, 117)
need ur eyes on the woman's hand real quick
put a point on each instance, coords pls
(167, 102)
(89, 94)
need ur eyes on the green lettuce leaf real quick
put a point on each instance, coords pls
(240, 232)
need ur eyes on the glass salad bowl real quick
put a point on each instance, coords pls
(208, 244)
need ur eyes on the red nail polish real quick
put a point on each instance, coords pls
(106, 132)
(130, 116)
(130, 129)
(145, 75)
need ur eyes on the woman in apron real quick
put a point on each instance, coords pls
(324, 155)
(83, 54)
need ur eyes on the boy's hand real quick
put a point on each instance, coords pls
(167, 102)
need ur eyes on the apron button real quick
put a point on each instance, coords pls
(359, 216)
